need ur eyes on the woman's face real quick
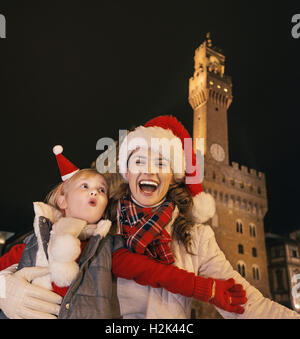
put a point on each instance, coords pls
(149, 176)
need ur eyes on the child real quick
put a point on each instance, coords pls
(80, 271)
(76, 271)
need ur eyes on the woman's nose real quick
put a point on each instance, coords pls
(152, 168)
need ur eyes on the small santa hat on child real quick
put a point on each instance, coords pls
(66, 168)
(170, 131)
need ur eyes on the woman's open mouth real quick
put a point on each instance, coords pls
(148, 186)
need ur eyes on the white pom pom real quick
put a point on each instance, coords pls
(204, 207)
(63, 273)
(57, 149)
(64, 248)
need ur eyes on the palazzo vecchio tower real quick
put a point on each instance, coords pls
(239, 192)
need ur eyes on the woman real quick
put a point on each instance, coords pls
(155, 176)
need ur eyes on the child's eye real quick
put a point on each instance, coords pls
(102, 190)
(84, 185)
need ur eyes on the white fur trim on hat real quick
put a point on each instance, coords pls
(158, 140)
(204, 207)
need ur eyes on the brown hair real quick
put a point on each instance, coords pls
(178, 194)
(63, 187)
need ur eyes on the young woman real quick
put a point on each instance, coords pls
(161, 211)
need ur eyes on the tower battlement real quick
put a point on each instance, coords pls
(248, 171)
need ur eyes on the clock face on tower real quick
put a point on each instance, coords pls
(217, 152)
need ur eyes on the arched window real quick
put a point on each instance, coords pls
(255, 272)
(241, 268)
(226, 199)
(254, 252)
(240, 249)
(221, 196)
(252, 229)
(215, 194)
(239, 226)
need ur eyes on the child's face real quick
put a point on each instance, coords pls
(86, 198)
(149, 176)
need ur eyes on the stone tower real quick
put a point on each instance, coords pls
(240, 193)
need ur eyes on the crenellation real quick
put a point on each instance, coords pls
(235, 165)
(244, 169)
(233, 200)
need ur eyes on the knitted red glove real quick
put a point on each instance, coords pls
(146, 271)
(224, 294)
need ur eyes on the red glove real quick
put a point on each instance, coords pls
(146, 271)
(224, 294)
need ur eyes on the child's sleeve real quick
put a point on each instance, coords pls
(12, 257)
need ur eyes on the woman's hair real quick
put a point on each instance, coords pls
(63, 188)
(179, 195)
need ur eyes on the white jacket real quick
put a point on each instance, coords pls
(144, 302)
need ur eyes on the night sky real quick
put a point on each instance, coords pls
(76, 71)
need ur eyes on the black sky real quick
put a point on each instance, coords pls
(76, 71)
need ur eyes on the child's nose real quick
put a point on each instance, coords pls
(93, 192)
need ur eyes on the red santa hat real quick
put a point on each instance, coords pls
(170, 131)
(66, 168)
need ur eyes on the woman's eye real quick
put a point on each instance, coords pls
(161, 164)
(139, 162)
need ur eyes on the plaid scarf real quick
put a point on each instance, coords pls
(144, 229)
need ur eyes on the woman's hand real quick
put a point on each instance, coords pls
(226, 294)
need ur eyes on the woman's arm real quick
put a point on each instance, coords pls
(12, 257)
(214, 264)
(146, 271)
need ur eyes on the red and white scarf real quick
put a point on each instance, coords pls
(144, 229)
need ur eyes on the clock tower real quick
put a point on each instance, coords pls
(210, 96)
(239, 192)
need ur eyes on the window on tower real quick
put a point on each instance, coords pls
(241, 268)
(254, 252)
(252, 229)
(239, 226)
(255, 272)
(240, 249)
